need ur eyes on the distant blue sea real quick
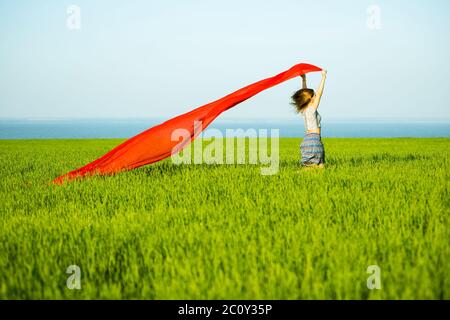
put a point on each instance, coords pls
(63, 129)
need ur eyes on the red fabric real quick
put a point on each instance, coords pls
(155, 144)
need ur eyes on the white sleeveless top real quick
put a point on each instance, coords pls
(312, 118)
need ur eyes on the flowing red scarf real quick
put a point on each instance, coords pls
(156, 143)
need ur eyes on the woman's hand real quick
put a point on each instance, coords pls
(303, 76)
(324, 73)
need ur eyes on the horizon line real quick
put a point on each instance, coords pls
(235, 119)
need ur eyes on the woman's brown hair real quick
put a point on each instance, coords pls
(302, 98)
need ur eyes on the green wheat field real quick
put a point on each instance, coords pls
(169, 231)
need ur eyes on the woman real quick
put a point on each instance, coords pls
(306, 103)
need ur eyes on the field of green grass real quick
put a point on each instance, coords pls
(170, 231)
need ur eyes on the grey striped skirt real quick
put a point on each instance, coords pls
(312, 149)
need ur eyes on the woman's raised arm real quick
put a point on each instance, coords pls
(319, 91)
(304, 86)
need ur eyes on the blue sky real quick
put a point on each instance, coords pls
(162, 58)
